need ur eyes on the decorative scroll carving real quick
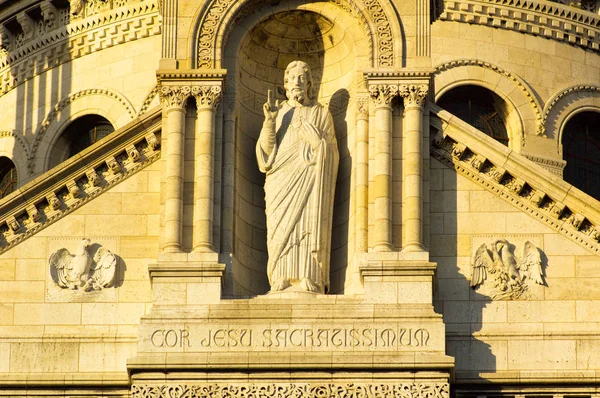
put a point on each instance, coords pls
(83, 271)
(207, 96)
(213, 25)
(362, 107)
(414, 95)
(383, 94)
(298, 390)
(509, 274)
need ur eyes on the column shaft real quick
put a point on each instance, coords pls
(204, 181)
(362, 178)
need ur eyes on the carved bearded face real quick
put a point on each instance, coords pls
(298, 82)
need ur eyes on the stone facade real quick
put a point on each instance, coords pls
(464, 259)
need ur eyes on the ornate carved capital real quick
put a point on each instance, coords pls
(174, 97)
(207, 96)
(383, 94)
(414, 95)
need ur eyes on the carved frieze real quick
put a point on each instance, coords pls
(298, 390)
(506, 271)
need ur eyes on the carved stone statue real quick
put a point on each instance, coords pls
(297, 150)
(507, 272)
(82, 271)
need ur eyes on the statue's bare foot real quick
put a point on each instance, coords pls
(309, 285)
(280, 284)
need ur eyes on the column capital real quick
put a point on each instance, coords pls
(207, 97)
(383, 94)
(174, 96)
(414, 95)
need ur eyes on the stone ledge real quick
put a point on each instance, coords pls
(115, 379)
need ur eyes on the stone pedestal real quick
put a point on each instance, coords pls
(292, 344)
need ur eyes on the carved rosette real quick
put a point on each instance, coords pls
(414, 95)
(299, 390)
(207, 97)
(383, 94)
(174, 97)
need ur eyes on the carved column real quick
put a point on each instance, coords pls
(414, 96)
(207, 99)
(362, 175)
(382, 96)
(173, 101)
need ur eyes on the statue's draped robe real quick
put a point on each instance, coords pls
(299, 190)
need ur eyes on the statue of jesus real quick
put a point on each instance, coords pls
(297, 150)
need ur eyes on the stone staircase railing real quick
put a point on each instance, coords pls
(516, 179)
(79, 179)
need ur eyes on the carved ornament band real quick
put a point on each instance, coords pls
(299, 390)
(383, 94)
(414, 95)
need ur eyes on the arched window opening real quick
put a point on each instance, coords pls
(581, 149)
(8, 177)
(480, 108)
(79, 135)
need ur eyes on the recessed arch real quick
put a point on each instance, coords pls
(564, 105)
(8, 177)
(215, 21)
(525, 112)
(110, 105)
(16, 148)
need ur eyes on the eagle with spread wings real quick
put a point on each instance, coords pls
(81, 271)
(508, 271)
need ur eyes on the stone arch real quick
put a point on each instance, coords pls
(215, 21)
(15, 147)
(525, 114)
(565, 104)
(106, 103)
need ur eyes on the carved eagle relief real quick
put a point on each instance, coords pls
(507, 272)
(81, 271)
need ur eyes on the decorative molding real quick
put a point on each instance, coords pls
(536, 17)
(533, 195)
(298, 390)
(23, 143)
(520, 83)
(77, 39)
(555, 166)
(414, 95)
(53, 114)
(149, 98)
(220, 15)
(44, 201)
(174, 97)
(551, 105)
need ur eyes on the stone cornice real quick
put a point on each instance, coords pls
(537, 17)
(67, 187)
(77, 39)
(517, 180)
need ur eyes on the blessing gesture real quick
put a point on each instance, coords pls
(270, 108)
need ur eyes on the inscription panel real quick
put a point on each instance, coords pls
(209, 337)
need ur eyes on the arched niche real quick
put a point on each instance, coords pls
(9, 180)
(257, 53)
(523, 110)
(14, 146)
(78, 135)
